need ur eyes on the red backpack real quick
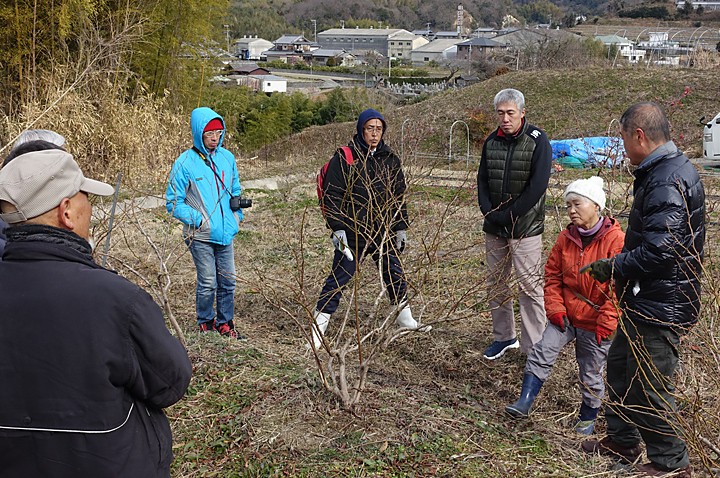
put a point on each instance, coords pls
(347, 154)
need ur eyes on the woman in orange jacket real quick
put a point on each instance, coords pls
(578, 307)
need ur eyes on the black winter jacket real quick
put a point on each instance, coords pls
(658, 272)
(86, 365)
(3, 226)
(512, 180)
(367, 198)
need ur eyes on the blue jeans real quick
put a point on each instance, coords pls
(343, 270)
(215, 266)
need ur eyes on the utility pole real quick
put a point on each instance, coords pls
(314, 22)
(227, 36)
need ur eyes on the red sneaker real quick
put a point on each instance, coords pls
(227, 331)
(207, 326)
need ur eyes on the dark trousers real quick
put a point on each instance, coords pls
(640, 365)
(343, 270)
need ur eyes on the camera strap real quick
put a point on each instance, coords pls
(210, 165)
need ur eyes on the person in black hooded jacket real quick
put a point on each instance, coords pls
(657, 282)
(364, 204)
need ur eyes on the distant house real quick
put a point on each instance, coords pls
(394, 42)
(476, 48)
(288, 49)
(427, 33)
(340, 57)
(250, 48)
(446, 35)
(523, 38)
(625, 47)
(465, 80)
(292, 43)
(706, 4)
(239, 68)
(262, 83)
(271, 83)
(402, 42)
(662, 50)
(437, 50)
(290, 57)
(485, 32)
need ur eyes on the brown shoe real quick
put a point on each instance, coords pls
(651, 469)
(607, 447)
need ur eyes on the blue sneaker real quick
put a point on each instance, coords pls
(498, 349)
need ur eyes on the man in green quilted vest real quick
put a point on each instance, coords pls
(512, 180)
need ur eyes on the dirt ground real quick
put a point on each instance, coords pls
(431, 405)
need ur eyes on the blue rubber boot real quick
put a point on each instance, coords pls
(530, 388)
(586, 421)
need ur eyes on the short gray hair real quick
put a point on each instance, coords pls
(509, 95)
(41, 135)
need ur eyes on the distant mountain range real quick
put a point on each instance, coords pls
(271, 18)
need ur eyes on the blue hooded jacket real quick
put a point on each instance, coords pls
(201, 184)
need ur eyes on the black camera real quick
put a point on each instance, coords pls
(239, 202)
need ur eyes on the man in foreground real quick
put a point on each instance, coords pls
(86, 361)
(512, 179)
(657, 281)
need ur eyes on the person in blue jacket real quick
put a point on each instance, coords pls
(202, 181)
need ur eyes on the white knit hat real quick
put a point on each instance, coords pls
(591, 188)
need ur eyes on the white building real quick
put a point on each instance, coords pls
(437, 50)
(706, 4)
(272, 83)
(250, 48)
(625, 47)
(264, 83)
(394, 42)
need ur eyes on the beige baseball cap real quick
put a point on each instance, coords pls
(37, 182)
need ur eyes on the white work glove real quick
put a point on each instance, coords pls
(400, 238)
(340, 242)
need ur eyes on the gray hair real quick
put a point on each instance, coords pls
(41, 135)
(510, 95)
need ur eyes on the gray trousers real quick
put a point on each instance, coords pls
(525, 255)
(590, 356)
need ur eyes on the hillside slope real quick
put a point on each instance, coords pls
(565, 104)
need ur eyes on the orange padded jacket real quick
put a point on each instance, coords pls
(571, 293)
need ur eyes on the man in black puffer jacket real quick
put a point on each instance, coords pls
(86, 361)
(364, 204)
(657, 278)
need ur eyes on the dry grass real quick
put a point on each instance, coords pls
(433, 406)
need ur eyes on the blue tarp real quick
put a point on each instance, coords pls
(596, 151)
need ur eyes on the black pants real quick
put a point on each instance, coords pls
(640, 365)
(344, 269)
